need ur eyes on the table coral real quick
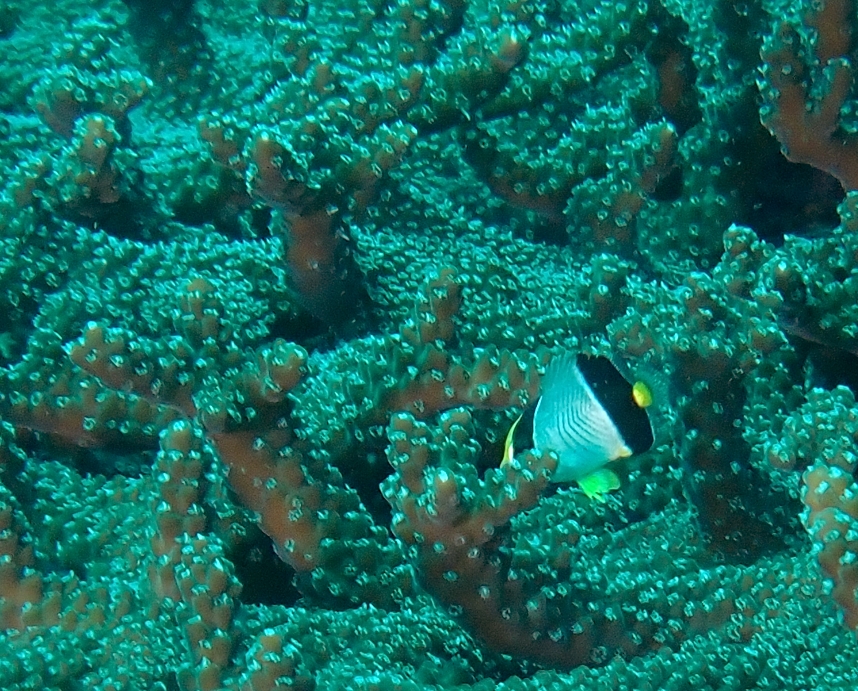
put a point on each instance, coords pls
(276, 278)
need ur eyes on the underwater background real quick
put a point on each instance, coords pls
(277, 276)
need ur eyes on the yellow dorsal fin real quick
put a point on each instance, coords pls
(597, 484)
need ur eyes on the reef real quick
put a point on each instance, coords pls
(277, 277)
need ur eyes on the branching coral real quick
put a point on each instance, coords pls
(805, 90)
(275, 279)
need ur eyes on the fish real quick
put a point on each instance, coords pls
(589, 414)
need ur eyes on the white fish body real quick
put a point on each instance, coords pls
(570, 420)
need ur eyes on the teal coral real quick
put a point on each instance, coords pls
(275, 278)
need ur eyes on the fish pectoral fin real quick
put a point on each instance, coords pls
(597, 484)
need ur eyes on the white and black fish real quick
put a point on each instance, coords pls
(589, 414)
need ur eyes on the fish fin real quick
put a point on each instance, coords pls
(562, 370)
(508, 446)
(623, 452)
(597, 484)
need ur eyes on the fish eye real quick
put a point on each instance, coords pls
(642, 394)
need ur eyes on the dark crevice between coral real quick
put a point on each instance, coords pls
(778, 197)
(318, 336)
(116, 458)
(671, 56)
(669, 188)
(739, 511)
(110, 463)
(9, 15)
(793, 199)
(169, 682)
(549, 232)
(743, 24)
(168, 37)
(126, 219)
(829, 368)
(285, 9)
(18, 328)
(827, 365)
(304, 329)
(358, 323)
(265, 579)
(225, 208)
(366, 476)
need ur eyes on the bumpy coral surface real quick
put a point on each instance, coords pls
(276, 277)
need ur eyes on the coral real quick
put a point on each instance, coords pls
(805, 90)
(276, 278)
(520, 597)
(829, 492)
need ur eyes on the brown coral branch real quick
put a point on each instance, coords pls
(808, 127)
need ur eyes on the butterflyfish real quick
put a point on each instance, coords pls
(589, 414)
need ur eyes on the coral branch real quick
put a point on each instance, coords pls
(465, 556)
(808, 126)
(830, 493)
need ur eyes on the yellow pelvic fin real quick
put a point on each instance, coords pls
(597, 484)
(508, 450)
